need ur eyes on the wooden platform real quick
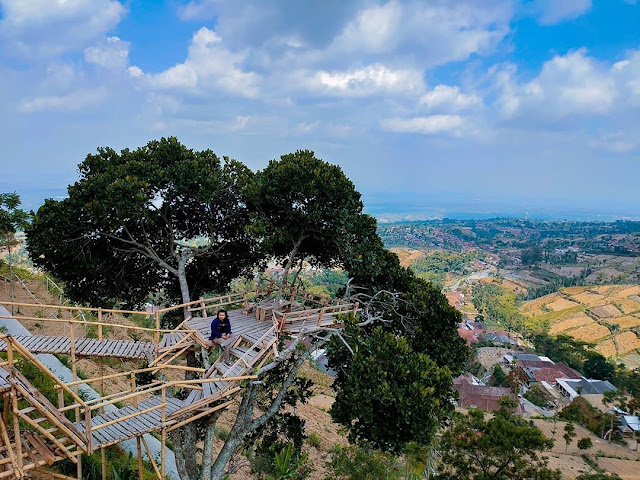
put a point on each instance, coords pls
(131, 427)
(244, 325)
(84, 346)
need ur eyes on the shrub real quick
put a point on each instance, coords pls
(585, 443)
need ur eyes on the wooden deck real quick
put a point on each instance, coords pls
(84, 347)
(45, 434)
(140, 424)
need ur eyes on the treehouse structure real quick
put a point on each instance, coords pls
(162, 393)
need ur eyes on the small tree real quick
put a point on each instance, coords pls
(12, 218)
(505, 446)
(585, 443)
(569, 434)
(499, 377)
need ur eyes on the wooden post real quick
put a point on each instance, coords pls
(157, 334)
(320, 315)
(103, 462)
(139, 447)
(163, 440)
(133, 389)
(16, 432)
(204, 308)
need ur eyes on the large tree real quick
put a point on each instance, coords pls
(304, 209)
(161, 217)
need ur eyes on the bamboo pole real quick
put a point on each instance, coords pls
(103, 463)
(82, 322)
(5, 437)
(151, 459)
(200, 415)
(139, 448)
(27, 354)
(57, 476)
(163, 445)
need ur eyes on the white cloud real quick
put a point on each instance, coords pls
(209, 67)
(426, 125)
(567, 84)
(435, 32)
(374, 29)
(550, 12)
(51, 27)
(70, 102)
(369, 80)
(449, 98)
(113, 53)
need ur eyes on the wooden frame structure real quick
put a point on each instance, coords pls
(37, 432)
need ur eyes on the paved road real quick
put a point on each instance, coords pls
(15, 328)
(474, 276)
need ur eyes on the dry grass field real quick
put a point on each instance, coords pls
(589, 299)
(627, 342)
(607, 348)
(590, 333)
(589, 313)
(574, 322)
(561, 304)
(627, 321)
(605, 311)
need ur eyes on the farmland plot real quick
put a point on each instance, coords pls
(574, 322)
(627, 342)
(591, 333)
(561, 304)
(606, 311)
(590, 299)
(627, 321)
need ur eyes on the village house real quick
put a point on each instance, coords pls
(474, 395)
(571, 388)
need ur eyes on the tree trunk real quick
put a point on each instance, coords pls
(239, 430)
(244, 424)
(184, 286)
(287, 267)
(11, 293)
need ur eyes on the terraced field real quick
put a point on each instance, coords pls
(606, 315)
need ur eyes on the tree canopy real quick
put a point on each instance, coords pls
(142, 220)
(505, 446)
(12, 218)
(387, 394)
(303, 208)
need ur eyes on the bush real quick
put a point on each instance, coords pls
(585, 443)
(314, 440)
(358, 463)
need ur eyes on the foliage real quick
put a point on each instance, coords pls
(12, 218)
(362, 463)
(585, 443)
(564, 349)
(569, 434)
(285, 428)
(387, 394)
(537, 396)
(135, 216)
(583, 413)
(598, 476)
(289, 467)
(505, 446)
(598, 367)
(531, 255)
(499, 378)
(303, 208)
(499, 305)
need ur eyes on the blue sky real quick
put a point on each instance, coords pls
(491, 104)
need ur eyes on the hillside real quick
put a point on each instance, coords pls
(607, 315)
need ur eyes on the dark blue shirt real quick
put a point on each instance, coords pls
(218, 328)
